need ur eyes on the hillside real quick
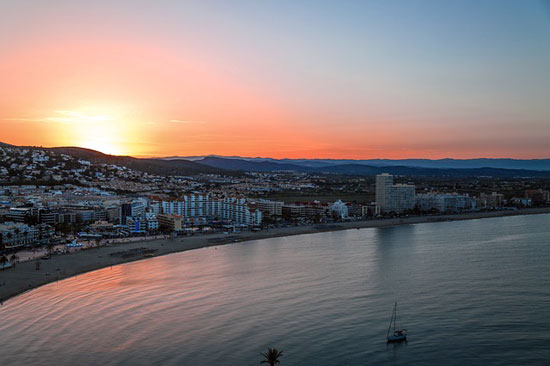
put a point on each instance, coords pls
(151, 166)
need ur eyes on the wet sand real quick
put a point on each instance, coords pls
(25, 276)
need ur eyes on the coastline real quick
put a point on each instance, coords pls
(25, 277)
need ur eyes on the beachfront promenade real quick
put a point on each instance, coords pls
(25, 275)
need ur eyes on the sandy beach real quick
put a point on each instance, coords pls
(25, 276)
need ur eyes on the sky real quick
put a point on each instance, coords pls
(283, 79)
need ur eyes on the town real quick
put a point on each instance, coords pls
(49, 198)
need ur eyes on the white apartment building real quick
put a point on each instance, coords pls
(152, 221)
(394, 197)
(137, 209)
(155, 207)
(199, 206)
(445, 202)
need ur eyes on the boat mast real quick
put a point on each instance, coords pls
(392, 320)
(394, 316)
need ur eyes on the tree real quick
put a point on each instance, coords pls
(13, 259)
(50, 247)
(272, 356)
(40, 234)
(3, 260)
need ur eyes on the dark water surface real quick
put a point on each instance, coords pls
(470, 292)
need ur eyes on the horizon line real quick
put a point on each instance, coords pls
(161, 156)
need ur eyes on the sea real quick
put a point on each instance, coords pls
(471, 292)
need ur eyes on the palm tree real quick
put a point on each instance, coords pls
(13, 259)
(3, 261)
(272, 356)
(50, 247)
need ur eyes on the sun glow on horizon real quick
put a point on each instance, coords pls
(191, 78)
(93, 128)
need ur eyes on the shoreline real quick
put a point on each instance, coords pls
(24, 277)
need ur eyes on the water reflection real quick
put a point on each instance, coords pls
(325, 299)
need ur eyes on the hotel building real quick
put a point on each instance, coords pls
(394, 197)
(198, 207)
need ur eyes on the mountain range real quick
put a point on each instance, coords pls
(448, 163)
(194, 165)
(356, 168)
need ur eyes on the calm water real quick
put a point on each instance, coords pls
(470, 292)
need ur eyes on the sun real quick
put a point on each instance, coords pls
(98, 130)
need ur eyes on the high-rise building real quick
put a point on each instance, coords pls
(384, 183)
(394, 197)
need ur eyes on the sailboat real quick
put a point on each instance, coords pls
(398, 335)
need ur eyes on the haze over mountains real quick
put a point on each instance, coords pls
(358, 168)
(499, 163)
(193, 165)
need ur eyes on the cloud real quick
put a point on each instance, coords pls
(24, 119)
(66, 117)
(185, 121)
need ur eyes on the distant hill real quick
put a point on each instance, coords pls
(151, 166)
(250, 166)
(361, 169)
(358, 169)
(503, 168)
(500, 163)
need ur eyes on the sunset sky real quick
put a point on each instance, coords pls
(312, 79)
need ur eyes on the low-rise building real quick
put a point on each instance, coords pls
(370, 210)
(171, 222)
(270, 208)
(152, 221)
(19, 214)
(491, 201)
(293, 211)
(445, 202)
(537, 196)
(339, 209)
(16, 234)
